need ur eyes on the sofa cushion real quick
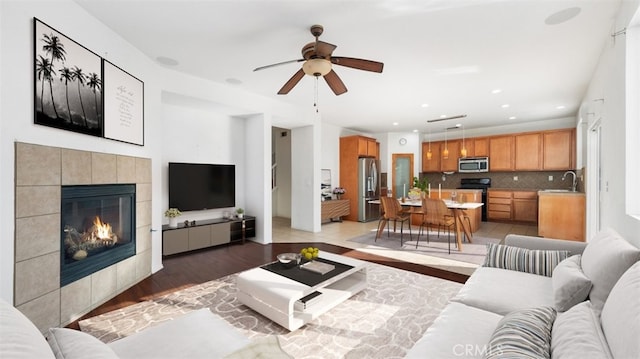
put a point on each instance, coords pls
(199, 334)
(621, 315)
(606, 257)
(570, 285)
(577, 333)
(460, 331)
(72, 344)
(19, 338)
(523, 260)
(525, 333)
(502, 291)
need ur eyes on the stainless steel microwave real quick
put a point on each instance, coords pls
(473, 164)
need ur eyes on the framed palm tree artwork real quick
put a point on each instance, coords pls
(68, 83)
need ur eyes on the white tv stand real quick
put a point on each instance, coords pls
(274, 295)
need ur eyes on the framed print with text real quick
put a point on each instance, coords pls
(123, 105)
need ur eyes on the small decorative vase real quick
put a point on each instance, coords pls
(173, 222)
(338, 196)
(240, 215)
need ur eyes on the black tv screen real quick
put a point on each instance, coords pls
(198, 186)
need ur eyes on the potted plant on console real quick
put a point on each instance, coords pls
(240, 212)
(339, 191)
(173, 214)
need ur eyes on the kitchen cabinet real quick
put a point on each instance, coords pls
(450, 164)
(499, 205)
(433, 164)
(351, 149)
(479, 147)
(501, 153)
(561, 215)
(558, 150)
(367, 147)
(525, 206)
(528, 152)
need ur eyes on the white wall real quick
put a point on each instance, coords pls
(609, 83)
(172, 99)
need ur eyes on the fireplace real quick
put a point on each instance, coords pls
(97, 228)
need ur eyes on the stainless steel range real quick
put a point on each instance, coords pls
(481, 184)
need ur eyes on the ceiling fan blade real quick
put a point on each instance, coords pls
(278, 64)
(324, 49)
(293, 81)
(360, 64)
(334, 82)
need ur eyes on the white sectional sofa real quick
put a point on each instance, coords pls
(586, 306)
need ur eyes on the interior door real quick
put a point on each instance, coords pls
(402, 177)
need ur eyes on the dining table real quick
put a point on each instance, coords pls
(457, 209)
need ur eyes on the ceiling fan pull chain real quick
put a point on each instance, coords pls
(315, 96)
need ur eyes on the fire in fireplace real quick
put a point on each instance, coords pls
(97, 228)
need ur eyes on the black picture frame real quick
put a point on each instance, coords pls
(123, 105)
(68, 82)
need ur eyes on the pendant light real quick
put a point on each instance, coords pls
(445, 152)
(463, 151)
(429, 154)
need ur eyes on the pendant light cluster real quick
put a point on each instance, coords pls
(445, 151)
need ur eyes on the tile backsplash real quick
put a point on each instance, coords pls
(525, 179)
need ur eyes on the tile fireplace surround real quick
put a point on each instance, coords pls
(40, 173)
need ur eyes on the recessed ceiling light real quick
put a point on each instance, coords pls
(415, 131)
(443, 116)
(562, 16)
(506, 105)
(561, 107)
(512, 117)
(496, 91)
(425, 105)
(167, 61)
(395, 124)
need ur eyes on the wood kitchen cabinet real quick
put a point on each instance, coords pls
(478, 147)
(433, 164)
(501, 153)
(525, 206)
(450, 164)
(559, 150)
(562, 215)
(528, 152)
(351, 149)
(499, 205)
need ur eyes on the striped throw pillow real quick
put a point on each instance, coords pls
(524, 333)
(532, 261)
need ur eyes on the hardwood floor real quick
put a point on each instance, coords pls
(184, 270)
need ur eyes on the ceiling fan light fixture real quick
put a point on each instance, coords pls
(316, 67)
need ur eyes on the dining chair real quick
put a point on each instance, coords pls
(437, 215)
(393, 212)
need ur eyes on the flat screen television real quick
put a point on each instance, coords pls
(198, 186)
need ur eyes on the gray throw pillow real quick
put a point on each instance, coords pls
(524, 333)
(577, 334)
(605, 258)
(538, 262)
(570, 285)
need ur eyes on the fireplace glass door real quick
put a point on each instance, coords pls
(97, 228)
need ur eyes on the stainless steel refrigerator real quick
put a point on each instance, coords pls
(368, 189)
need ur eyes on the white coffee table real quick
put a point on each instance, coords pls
(273, 295)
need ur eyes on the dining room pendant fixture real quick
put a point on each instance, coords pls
(445, 152)
(429, 153)
(463, 151)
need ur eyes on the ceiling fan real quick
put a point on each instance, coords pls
(317, 57)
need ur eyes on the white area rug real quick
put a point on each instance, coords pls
(383, 321)
(437, 247)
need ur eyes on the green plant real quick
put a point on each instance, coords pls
(239, 211)
(172, 212)
(422, 184)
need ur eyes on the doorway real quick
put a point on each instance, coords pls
(402, 174)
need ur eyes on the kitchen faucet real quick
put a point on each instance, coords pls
(574, 183)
